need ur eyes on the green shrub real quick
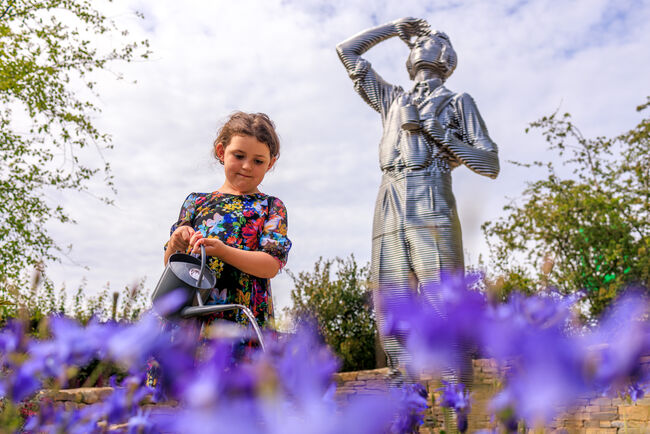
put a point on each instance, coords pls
(42, 299)
(585, 226)
(341, 306)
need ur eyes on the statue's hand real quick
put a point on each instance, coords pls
(409, 27)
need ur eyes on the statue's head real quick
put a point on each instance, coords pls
(432, 51)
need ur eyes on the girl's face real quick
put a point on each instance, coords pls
(246, 160)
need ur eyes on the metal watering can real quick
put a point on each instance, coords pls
(190, 276)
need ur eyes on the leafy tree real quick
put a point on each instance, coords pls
(340, 307)
(50, 50)
(587, 231)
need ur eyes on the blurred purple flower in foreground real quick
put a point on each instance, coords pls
(545, 366)
(443, 318)
(287, 389)
(413, 399)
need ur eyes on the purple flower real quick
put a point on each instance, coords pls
(615, 347)
(437, 323)
(141, 424)
(303, 362)
(175, 352)
(546, 367)
(22, 384)
(521, 319)
(11, 339)
(70, 345)
(411, 403)
(289, 388)
(132, 344)
(234, 415)
(55, 419)
(455, 396)
(76, 345)
(170, 302)
(370, 414)
(635, 392)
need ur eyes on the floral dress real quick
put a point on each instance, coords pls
(248, 222)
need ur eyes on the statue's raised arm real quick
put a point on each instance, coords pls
(368, 83)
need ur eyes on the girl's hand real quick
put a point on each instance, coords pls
(180, 239)
(255, 263)
(213, 246)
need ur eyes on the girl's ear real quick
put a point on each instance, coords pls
(219, 151)
(273, 160)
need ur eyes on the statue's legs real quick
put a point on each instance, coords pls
(439, 249)
(390, 268)
(417, 236)
(391, 275)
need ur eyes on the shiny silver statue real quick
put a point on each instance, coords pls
(428, 131)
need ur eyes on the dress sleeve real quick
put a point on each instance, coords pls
(274, 239)
(186, 216)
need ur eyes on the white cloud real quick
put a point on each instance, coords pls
(520, 60)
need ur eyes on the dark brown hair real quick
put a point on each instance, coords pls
(257, 125)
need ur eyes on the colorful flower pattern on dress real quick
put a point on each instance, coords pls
(247, 222)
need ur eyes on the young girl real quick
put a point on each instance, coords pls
(244, 231)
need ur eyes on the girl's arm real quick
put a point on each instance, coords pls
(255, 263)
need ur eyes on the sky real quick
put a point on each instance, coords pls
(520, 60)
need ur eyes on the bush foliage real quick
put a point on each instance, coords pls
(341, 306)
(586, 231)
(42, 299)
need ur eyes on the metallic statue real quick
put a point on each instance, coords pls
(428, 131)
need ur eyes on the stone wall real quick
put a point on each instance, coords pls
(591, 415)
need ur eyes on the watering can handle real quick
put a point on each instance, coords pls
(198, 281)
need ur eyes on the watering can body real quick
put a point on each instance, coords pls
(188, 275)
(192, 278)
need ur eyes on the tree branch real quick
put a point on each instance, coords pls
(6, 11)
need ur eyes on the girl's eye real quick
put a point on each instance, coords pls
(239, 156)
(258, 162)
